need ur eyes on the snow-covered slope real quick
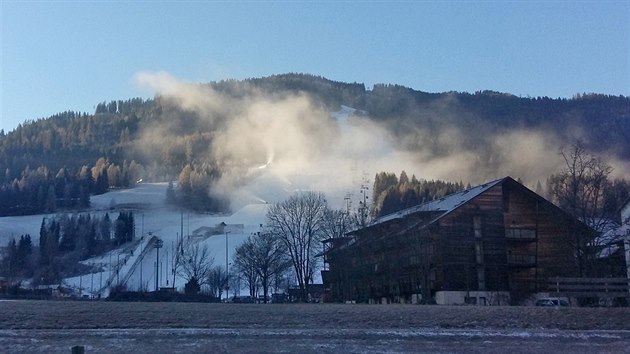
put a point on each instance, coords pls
(155, 218)
(136, 266)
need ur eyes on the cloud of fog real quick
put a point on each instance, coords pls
(286, 143)
(270, 146)
(621, 168)
(189, 96)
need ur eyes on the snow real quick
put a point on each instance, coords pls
(152, 217)
(12, 227)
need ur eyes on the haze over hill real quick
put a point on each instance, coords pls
(314, 133)
(285, 120)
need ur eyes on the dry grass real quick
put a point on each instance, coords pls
(103, 314)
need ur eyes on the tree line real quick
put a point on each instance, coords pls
(39, 190)
(195, 186)
(391, 193)
(64, 240)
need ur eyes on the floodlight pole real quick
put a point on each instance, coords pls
(158, 244)
(227, 274)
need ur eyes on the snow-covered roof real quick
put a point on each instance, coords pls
(446, 204)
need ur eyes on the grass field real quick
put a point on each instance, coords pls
(141, 327)
(104, 314)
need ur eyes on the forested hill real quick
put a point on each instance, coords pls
(113, 139)
(601, 121)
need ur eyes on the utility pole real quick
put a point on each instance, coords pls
(118, 269)
(363, 207)
(166, 268)
(158, 244)
(141, 255)
(110, 269)
(227, 274)
(348, 200)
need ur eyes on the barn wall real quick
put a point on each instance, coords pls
(474, 259)
(504, 240)
(540, 233)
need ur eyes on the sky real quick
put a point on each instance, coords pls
(71, 55)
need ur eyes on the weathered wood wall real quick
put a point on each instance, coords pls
(505, 239)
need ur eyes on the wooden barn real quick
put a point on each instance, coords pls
(492, 244)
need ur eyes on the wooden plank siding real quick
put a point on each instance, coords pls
(506, 238)
(459, 269)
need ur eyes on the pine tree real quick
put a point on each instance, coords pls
(24, 251)
(43, 235)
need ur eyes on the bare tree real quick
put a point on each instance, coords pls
(579, 190)
(299, 223)
(196, 263)
(266, 255)
(217, 280)
(337, 223)
(234, 283)
(579, 187)
(245, 264)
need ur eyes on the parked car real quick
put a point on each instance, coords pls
(243, 299)
(551, 301)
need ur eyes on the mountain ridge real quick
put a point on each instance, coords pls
(456, 136)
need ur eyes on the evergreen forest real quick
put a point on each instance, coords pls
(56, 163)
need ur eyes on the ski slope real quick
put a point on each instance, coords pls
(135, 264)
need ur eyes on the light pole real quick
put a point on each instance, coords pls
(118, 269)
(141, 255)
(227, 274)
(158, 244)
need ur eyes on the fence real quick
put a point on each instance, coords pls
(590, 287)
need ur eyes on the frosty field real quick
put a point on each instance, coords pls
(45, 326)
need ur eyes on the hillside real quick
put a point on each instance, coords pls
(420, 121)
(213, 138)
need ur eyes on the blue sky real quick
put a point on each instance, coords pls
(70, 55)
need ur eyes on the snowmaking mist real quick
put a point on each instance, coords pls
(269, 146)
